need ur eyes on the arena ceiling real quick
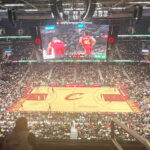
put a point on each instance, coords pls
(41, 9)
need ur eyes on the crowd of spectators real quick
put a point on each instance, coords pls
(132, 50)
(62, 76)
(87, 74)
(139, 87)
(90, 126)
(23, 50)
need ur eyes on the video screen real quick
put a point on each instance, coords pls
(74, 41)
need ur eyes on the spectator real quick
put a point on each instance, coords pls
(20, 138)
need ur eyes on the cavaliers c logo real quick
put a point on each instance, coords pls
(74, 96)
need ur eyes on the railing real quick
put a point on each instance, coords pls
(143, 141)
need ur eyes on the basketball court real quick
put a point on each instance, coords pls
(75, 99)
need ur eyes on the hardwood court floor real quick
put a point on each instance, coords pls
(75, 99)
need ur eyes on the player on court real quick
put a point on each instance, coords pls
(57, 47)
(87, 42)
(52, 90)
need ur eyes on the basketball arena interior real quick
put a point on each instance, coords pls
(75, 74)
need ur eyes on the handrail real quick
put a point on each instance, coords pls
(142, 140)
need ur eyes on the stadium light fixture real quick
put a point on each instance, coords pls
(68, 4)
(118, 8)
(31, 10)
(71, 9)
(2, 10)
(146, 7)
(146, 2)
(16, 5)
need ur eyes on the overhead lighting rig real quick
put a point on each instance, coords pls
(73, 13)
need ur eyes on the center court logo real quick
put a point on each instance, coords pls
(74, 96)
